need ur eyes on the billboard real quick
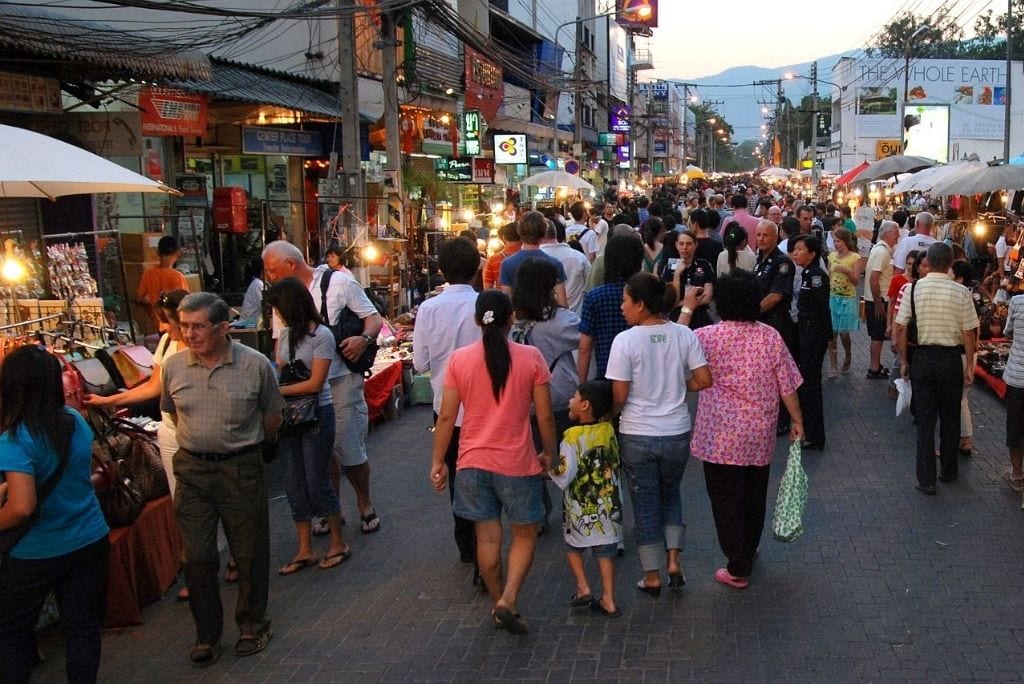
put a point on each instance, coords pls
(972, 92)
(926, 131)
(618, 118)
(509, 149)
(618, 68)
(637, 14)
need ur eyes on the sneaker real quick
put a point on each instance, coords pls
(1015, 483)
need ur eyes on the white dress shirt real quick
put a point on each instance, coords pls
(443, 324)
(577, 269)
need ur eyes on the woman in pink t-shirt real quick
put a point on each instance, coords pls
(496, 382)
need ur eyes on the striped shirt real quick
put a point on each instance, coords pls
(1013, 374)
(944, 310)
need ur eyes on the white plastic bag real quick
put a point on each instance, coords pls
(903, 400)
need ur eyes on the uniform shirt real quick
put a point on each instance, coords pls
(588, 470)
(774, 272)
(698, 274)
(220, 410)
(443, 324)
(880, 260)
(812, 305)
(944, 309)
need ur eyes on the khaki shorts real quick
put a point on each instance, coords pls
(350, 419)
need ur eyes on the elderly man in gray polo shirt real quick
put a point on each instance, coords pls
(224, 400)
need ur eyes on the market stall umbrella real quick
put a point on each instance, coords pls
(36, 165)
(890, 166)
(694, 171)
(775, 172)
(974, 181)
(851, 175)
(926, 179)
(557, 179)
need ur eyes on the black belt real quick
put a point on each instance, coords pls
(952, 347)
(220, 457)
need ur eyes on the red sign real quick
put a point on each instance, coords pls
(484, 89)
(167, 112)
(483, 170)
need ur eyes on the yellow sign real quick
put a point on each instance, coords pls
(806, 164)
(887, 148)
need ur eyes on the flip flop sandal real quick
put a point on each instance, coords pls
(297, 565)
(577, 601)
(250, 644)
(204, 655)
(335, 559)
(513, 622)
(601, 610)
(370, 523)
(676, 580)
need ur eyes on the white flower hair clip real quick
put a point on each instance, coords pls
(488, 317)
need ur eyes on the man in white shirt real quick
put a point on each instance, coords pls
(576, 265)
(443, 324)
(879, 275)
(282, 260)
(922, 239)
(580, 228)
(1008, 237)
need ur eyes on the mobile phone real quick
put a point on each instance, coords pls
(672, 263)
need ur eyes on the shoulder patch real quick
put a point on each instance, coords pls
(784, 267)
(815, 281)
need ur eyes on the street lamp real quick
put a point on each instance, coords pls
(642, 13)
(906, 60)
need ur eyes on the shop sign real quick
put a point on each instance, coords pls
(618, 118)
(108, 134)
(610, 139)
(510, 149)
(471, 132)
(32, 94)
(622, 154)
(193, 189)
(887, 148)
(483, 171)
(454, 169)
(261, 140)
(484, 88)
(438, 137)
(167, 112)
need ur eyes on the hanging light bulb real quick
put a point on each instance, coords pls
(13, 271)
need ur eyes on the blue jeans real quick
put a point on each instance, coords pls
(654, 469)
(306, 457)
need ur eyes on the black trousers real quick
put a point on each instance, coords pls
(937, 381)
(738, 495)
(79, 580)
(812, 348)
(465, 530)
(787, 329)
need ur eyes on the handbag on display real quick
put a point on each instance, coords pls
(74, 393)
(106, 357)
(135, 451)
(95, 377)
(10, 538)
(120, 501)
(300, 413)
(348, 325)
(787, 522)
(134, 363)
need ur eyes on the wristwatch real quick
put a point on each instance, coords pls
(686, 310)
(369, 339)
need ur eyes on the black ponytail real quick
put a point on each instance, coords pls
(658, 296)
(493, 308)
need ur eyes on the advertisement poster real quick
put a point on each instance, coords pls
(926, 131)
(618, 70)
(618, 118)
(637, 14)
(510, 149)
(972, 92)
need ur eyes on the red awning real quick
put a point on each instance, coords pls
(852, 174)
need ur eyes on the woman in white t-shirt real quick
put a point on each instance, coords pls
(308, 344)
(651, 366)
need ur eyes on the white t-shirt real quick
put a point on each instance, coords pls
(1002, 249)
(909, 244)
(319, 345)
(656, 360)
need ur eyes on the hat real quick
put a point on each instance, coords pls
(167, 246)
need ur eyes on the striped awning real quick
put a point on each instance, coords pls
(127, 53)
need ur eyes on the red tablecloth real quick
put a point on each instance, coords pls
(144, 561)
(997, 384)
(378, 388)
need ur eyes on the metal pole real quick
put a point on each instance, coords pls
(814, 127)
(392, 114)
(1009, 79)
(348, 89)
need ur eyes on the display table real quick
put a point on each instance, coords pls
(144, 560)
(379, 386)
(995, 384)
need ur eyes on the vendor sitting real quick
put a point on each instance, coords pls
(161, 278)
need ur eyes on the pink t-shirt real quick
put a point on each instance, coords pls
(736, 416)
(496, 435)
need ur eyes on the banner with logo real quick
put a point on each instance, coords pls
(167, 112)
(510, 149)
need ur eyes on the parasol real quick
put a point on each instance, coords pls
(556, 179)
(36, 165)
(926, 179)
(890, 166)
(694, 171)
(775, 172)
(972, 181)
(851, 175)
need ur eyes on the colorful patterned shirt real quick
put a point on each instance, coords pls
(601, 319)
(588, 470)
(736, 416)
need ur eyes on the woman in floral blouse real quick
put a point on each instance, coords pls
(735, 429)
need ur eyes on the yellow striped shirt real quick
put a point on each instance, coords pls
(944, 310)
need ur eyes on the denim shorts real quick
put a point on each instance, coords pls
(482, 495)
(599, 551)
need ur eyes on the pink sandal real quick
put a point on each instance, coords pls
(725, 577)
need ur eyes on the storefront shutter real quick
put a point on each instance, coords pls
(20, 214)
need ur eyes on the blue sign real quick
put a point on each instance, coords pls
(261, 140)
(618, 118)
(572, 167)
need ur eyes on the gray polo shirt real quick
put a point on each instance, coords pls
(220, 410)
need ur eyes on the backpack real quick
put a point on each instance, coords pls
(347, 325)
(575, 240)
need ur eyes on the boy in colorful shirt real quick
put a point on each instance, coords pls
(588, 471)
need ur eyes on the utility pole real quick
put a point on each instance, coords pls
(780, 123)
(1009, 79)
(392, 120)
(814, 127)
(686, 108)
(351, 191)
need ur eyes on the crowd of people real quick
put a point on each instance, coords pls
(569, 356)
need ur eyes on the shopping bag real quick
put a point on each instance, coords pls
(903, 400)
(787, 522)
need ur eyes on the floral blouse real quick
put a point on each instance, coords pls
(736, 417)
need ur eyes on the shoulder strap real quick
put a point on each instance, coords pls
(51, 483)
(166, 345)
(913, 308)
(325, 283)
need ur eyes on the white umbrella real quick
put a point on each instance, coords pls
(776, 172)
(974, 181)
(557, 179)
(694, 171)
(926, 179)
(890, 166)
(36, 165)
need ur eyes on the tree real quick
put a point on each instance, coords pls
(937, 35)
(991, 33)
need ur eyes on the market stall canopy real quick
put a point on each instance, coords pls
(972, 181)
(890, 166)
(926, 179)
(775, 172)
(851, 175)
(36, 165)
(557, 179)
(694, 171)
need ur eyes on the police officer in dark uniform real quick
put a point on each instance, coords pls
(774, 271)
(814, 330)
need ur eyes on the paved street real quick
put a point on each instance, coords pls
(886, 585)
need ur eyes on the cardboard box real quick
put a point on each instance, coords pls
(133, 271)
(194, 283)
(140, 247)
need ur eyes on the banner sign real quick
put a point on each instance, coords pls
(454, 169)
(261, 140)
(510, 149)
(167, 112)
(483, 77)
(618, 118)
(108, 134)
(470, 137)
(483, 171)
(887, 148)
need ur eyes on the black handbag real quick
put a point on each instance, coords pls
(348, 325)
(300, 415)
(106, 357)
(10, 538)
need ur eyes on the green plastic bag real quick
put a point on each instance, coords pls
(787, 523)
